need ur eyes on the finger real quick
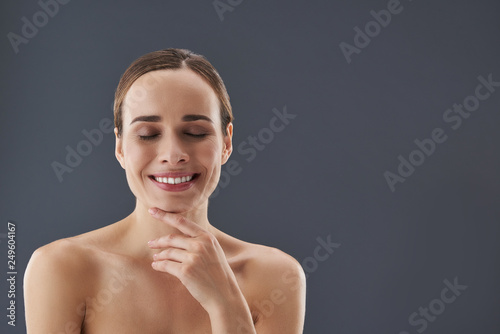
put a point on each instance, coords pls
(171, 267)
(179, 222)
(170, 240)
(172, 254)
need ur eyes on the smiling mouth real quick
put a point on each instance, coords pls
(174, 180)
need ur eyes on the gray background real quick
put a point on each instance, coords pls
(322, 175)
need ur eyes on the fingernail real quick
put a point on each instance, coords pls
(154, 257)
(150, 242)
(153, 264)
(153, 211)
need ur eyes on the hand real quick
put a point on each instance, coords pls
(196, 258)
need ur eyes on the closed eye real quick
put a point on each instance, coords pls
(200, 135)
(148, 137)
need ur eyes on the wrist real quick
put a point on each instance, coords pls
(228, 303)
(230, 315)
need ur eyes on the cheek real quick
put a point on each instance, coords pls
(210, 154)
(136, 157)
(210, 157)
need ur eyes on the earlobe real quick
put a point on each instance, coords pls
(119, 149)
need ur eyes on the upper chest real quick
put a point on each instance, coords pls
(133, 298)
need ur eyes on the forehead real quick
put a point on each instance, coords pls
(170, 92)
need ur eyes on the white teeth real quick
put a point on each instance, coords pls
(171, 180)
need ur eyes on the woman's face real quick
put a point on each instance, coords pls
(172, 146)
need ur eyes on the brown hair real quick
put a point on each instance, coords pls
(173, 59)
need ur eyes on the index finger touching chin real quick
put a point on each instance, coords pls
(179, 222)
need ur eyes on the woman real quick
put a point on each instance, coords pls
(165, 268)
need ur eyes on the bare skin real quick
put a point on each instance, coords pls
(165, 270)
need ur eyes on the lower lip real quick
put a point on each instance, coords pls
(175, 187)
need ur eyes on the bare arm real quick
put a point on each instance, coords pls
(53, 290)
(281, 304)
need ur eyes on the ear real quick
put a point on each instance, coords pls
(228, 143)
(119, 149)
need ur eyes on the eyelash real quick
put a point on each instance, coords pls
(201, 135)
(146, 138)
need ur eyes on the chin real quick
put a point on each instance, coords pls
(173, 207)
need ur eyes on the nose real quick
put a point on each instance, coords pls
(171, 150)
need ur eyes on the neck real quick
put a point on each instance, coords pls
(142, 227)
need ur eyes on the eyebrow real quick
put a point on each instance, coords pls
(193, 117)
(185, 118)
(152, 118)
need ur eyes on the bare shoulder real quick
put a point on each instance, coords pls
(73, 260)
(58, 248)
(62, 259)
(56, 283)
(275, 286)
(267, 266)
(264, 271)
(69, 253)
(59, 278)
(274, 269)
